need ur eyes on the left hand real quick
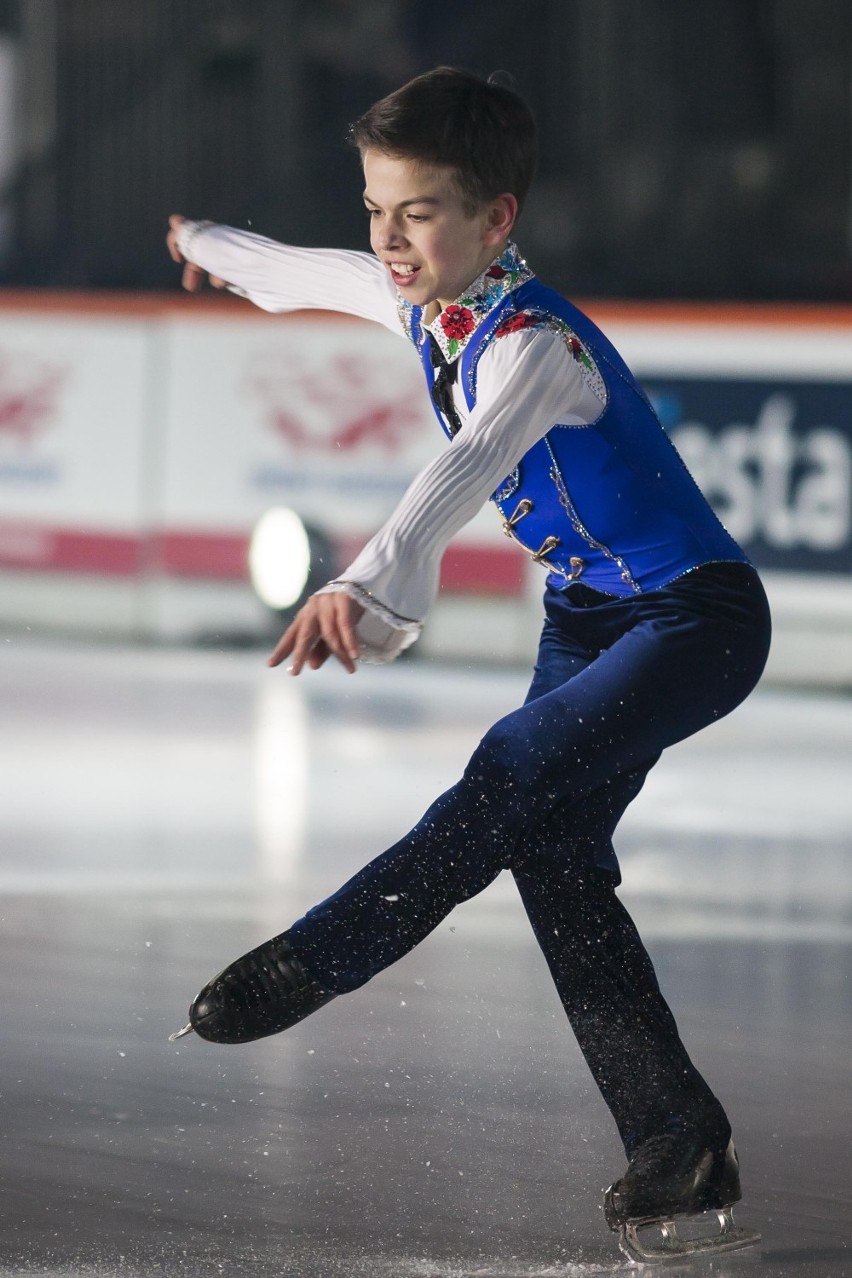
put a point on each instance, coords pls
(323, 627)
(193, 276)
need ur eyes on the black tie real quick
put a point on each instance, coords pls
(442, 387)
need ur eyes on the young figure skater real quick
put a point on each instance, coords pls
(655, 622)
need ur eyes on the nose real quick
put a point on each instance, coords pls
(388, 235)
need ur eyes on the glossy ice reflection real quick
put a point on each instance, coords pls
(161, 812)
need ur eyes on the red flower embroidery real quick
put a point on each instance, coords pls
(516, 322)
(576, 348)
(496, 272)
(457, 321)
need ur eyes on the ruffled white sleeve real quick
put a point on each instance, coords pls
(281, 277)
(527, 382)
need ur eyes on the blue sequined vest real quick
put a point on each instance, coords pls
(611, 503)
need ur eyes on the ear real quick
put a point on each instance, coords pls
(501, 217)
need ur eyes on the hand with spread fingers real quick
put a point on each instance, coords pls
(323, 627)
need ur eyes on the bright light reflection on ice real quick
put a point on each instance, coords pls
(281, 777)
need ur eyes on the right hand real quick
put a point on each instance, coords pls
(324, 626)
(193, 276)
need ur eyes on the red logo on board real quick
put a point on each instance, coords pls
(351, 403)
(29, 390)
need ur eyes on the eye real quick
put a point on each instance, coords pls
(371, 213)
(418, 217)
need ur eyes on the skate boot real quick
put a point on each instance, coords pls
(262, 993)
(675, 1177)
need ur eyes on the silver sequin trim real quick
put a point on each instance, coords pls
(508, 486)
(580, 528)
(405, 311)
(589, 370)
(363, 596)
(707, 563)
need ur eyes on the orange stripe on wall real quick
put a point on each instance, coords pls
(224, 305)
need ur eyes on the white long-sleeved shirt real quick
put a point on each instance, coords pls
(526, 383)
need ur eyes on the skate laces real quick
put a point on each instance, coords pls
(265, 981)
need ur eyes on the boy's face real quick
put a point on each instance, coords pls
(420, 229)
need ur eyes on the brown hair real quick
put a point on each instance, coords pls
(482, 130)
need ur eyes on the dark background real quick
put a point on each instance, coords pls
(688, 150)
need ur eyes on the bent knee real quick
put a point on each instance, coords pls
(505, 758)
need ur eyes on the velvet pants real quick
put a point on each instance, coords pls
(617, 680)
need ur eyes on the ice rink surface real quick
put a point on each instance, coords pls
(163, 811)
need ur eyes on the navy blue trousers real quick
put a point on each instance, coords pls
(617, 680)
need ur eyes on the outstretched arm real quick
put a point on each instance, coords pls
(281, 277)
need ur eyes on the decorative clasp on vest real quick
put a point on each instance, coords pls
(523, 508)
(577, 566)
(549, 543)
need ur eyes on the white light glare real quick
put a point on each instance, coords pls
(279, 557)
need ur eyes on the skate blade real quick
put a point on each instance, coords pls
(187, 1029)
(671, 1246)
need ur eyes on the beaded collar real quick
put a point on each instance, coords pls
(454, 325)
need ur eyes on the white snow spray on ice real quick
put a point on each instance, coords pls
(407, 1267)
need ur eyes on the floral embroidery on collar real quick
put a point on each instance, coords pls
(454, 325)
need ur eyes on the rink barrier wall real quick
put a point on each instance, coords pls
(142, 436)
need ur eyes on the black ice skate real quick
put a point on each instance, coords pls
(671, 1178)
(262, 993)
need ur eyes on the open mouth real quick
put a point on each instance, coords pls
(403, 273)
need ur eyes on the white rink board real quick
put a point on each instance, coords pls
(329, 418)
(191, 423)
(74, 408)
(802, 352)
